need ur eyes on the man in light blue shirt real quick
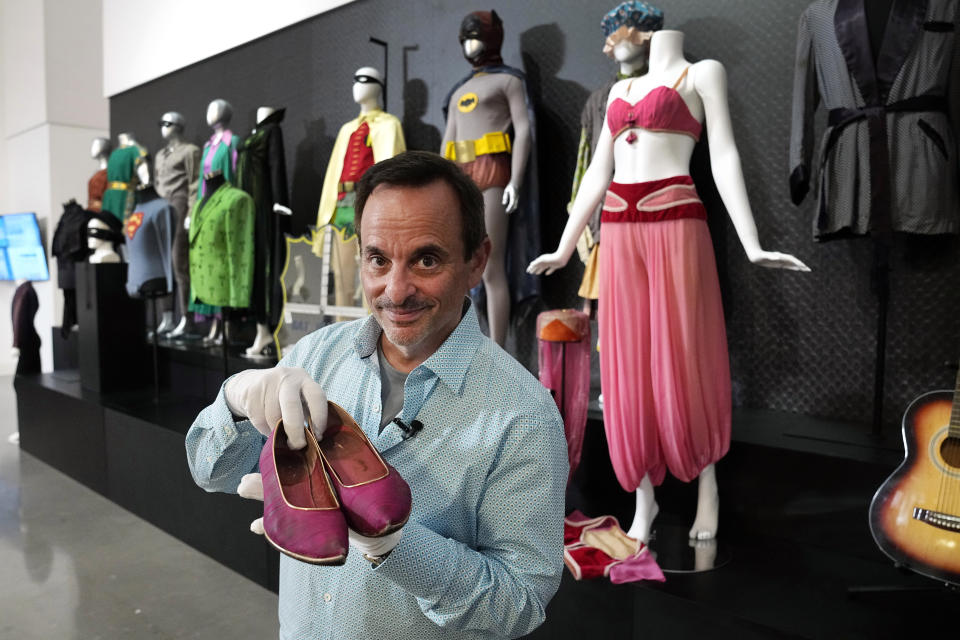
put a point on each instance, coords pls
(482, 552)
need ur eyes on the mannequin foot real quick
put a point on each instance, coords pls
(183, 328)
(708, 506)
(645, 514)
(704, 554)
(166, 325)
(262, 340)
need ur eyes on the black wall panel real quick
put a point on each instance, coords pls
(801, 342)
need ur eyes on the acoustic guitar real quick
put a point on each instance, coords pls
(915, 515)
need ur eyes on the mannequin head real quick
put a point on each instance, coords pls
(171, 126)
(104, 235)
(630, 22)
(481, 36)
(367, 88)
(126, 139)
(100, 148)
(264, 112)
(219, 113)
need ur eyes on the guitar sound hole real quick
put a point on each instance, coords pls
(950, 450)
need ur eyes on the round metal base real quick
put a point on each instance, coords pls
(677, 553)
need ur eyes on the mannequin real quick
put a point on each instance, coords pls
(102, 240)
(26, 340)
(149, 239)
(480, 113)
(97, 185)
(373, 136)
(219, 157)
(177, 181)
(628, 28)
(261, 172)
(122, 176)
(637, 157)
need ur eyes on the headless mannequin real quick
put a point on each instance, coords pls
(213, 181)
(100, 151)
(172, 133)
(103, 251)
(657, 155)
(126, 139)
(264, 337)
(498, 202)
(145, 193)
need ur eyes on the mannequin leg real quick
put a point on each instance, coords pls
(185, 326)
(215, 334)
(495, 275)
(264, 337)
(708, 506)
(647, 510)
(166, 324)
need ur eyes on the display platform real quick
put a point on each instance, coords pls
(794, 497)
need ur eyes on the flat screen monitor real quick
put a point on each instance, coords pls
(21, 248)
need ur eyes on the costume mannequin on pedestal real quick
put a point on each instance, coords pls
(177, 180)
(262, 172)
(97, 185)
(219, 158)
(104, 236)
(665, 368)
(628, 29)
(489, 134)
(122, 176)
(149, 239)
(373, 136)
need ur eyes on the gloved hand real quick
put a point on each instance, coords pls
(265, 396)
(251, 486)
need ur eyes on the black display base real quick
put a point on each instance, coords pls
(677, 553)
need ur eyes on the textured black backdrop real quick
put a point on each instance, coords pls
(800, 342)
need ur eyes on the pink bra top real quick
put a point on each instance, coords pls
(662, 109)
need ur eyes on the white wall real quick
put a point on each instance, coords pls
(145, 39)
(51, 83)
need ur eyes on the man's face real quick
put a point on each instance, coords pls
(412, 267)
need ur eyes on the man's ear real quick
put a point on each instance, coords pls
(478, 261)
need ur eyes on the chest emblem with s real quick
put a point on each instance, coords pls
(133, 224)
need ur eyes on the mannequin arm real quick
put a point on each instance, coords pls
(279, 208)
(521, 143)
(592, 188)
(711, 84)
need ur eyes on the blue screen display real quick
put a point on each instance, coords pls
(21, 248)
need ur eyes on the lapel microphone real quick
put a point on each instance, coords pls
(409, 430)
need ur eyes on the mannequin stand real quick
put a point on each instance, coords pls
(881, 284)
(156, 367)
(677, 553)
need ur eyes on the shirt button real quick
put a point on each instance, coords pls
(327, 597)
(376, 407)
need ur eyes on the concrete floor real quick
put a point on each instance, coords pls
(77, 566)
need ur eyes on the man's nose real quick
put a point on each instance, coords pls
(400, 284)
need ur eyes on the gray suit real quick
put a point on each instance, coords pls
(888, 159)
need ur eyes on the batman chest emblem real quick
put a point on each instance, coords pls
(468, 102)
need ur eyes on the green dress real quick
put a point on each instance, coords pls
(122, 180)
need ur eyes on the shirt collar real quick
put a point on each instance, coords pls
(369, 116)
(221, 136)
(449, 363)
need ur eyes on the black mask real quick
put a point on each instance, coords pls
(487, 27)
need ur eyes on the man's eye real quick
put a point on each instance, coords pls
(429, 261)
(378, 261)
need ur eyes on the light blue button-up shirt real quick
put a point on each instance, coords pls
(482, 552)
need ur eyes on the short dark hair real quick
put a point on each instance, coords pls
(418, 169)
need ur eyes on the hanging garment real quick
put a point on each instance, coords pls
(888, 159)
(122, 180)
(262, 172)
(664, 368)
(25, 337)
(219, 154)
(96, 187)
(148, 236)
(176, 179)
(69, 246)
(221, 248)
(564, 337)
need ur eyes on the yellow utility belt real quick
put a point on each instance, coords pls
(119, 186)
(468, 150)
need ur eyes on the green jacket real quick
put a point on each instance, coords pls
(221, 248)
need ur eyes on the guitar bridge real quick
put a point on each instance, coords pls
(937, 519)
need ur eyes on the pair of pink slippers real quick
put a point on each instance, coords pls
(311, 495)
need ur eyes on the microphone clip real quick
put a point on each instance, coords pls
(409, 430)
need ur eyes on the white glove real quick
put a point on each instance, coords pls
(251, 486)
(265, 396)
